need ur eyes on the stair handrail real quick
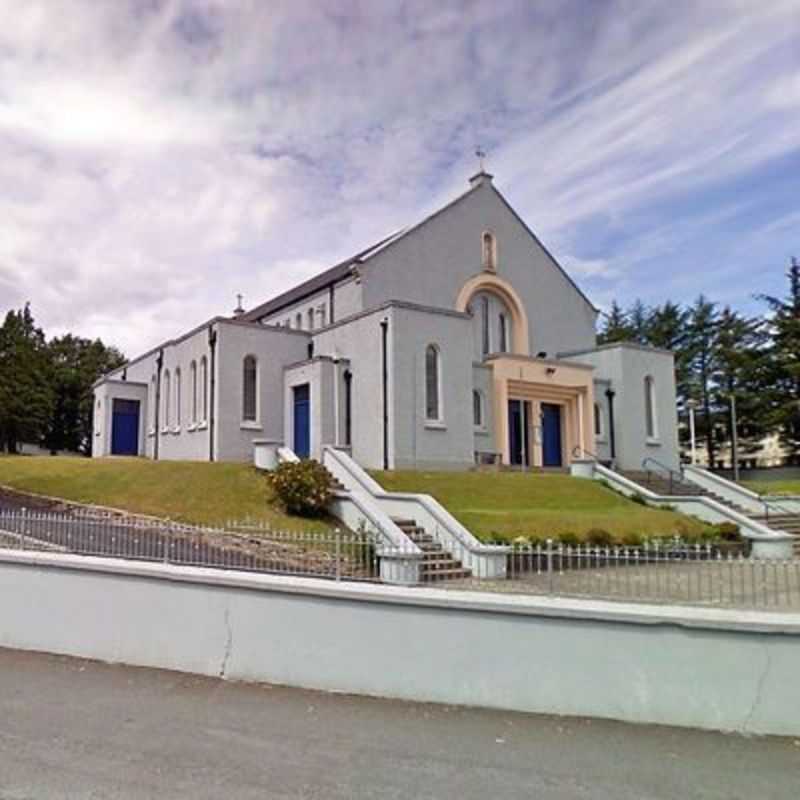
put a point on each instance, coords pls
(664, 468)
(771, 504)
(581, 452)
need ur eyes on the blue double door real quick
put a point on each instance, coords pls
(301, 403)
(519, 415)
(125, 428)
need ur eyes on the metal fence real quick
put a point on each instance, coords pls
(670, 571)
(244, 545)
(660, 572)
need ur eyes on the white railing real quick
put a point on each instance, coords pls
(426, 511)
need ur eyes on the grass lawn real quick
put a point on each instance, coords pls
(193, 492)
(508, 504)
(774, 487)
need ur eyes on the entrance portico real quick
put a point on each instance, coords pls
(542, 409)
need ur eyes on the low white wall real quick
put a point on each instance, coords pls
(705, 668)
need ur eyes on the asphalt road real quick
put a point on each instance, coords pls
(78, 729)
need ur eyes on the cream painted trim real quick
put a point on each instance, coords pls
(489, 282)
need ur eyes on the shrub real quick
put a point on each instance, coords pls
(599, 538)
(638, 498)
(302, 487)
(569, 539)
(728, 531)
(632, 540)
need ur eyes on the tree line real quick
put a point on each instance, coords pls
(724, 357)
(46, 386)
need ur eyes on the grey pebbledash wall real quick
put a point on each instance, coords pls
(705, 668)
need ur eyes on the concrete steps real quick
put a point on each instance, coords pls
(437, 563)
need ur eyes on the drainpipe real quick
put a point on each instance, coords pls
(157, 415)
(610, 394)
(212, 346)
(348, 408)
(385, 386)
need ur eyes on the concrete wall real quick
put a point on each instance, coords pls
(431, 264)
(417, 442)
(706, 668)
(104, 413)
(274, 348)
(319, 373)
(625, 366)
(484, 436)
(345, 302)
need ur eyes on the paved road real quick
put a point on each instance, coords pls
(77, 729)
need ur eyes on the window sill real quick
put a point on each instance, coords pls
(251, 426)
(435, 425)
(652, 442)
(601, 439)
(202, 426)
(191, 428)
(176, 429)
(151, 432)
(164, 431)
(482, 429)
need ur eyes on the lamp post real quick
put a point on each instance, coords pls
(691, 404)
(734, 440)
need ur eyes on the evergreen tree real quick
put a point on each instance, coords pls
(741, 376)
(615, 327)
(75, 365)
(784, 325)
(639, 321)
(26, 399)
(701, 355)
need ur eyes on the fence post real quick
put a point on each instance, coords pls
(337, 533)
(22, 531)
(165, 536)
(550, 565)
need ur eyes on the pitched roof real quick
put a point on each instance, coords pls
(344, 268)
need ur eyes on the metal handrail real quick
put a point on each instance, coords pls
(664, 468)
(579, 451)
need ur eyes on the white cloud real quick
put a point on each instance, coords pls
(159, 157)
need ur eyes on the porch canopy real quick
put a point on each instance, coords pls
(543, 409)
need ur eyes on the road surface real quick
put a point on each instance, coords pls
(77, 729)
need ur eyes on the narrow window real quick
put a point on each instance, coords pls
(178, 398)
(298, 321)
(193, 381)
(249, 384)
(489, 252)
(167, 398)
(432, 383)
(153, 403)
(503, 330)
(598, 421)
(323, 316)
(204, 386)
(311, 319)
(485, 343)
(651, 423)
(477, 409)
(348, 408)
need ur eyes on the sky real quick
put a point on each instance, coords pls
(159, 157)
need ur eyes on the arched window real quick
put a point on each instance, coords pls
(193, 381)
(650, 416)
(486, 344)
(298, 321)
(598, 421)
(478, 419)
(153, 403)
(178, 398)
(204, 386)
(432, 383)
(249, 389)
(311, 319)
(489, 247)
(502, 325)
(167, 405)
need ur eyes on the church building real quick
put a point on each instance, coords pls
(454, 342)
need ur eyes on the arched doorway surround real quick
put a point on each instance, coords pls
(520, 342)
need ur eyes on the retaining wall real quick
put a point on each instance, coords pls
(705, 668)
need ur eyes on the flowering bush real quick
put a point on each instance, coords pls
(303, 487)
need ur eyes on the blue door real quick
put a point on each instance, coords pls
(125, 428)
(302, 421)
(551, 435)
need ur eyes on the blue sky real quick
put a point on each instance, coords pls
(159, 157)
